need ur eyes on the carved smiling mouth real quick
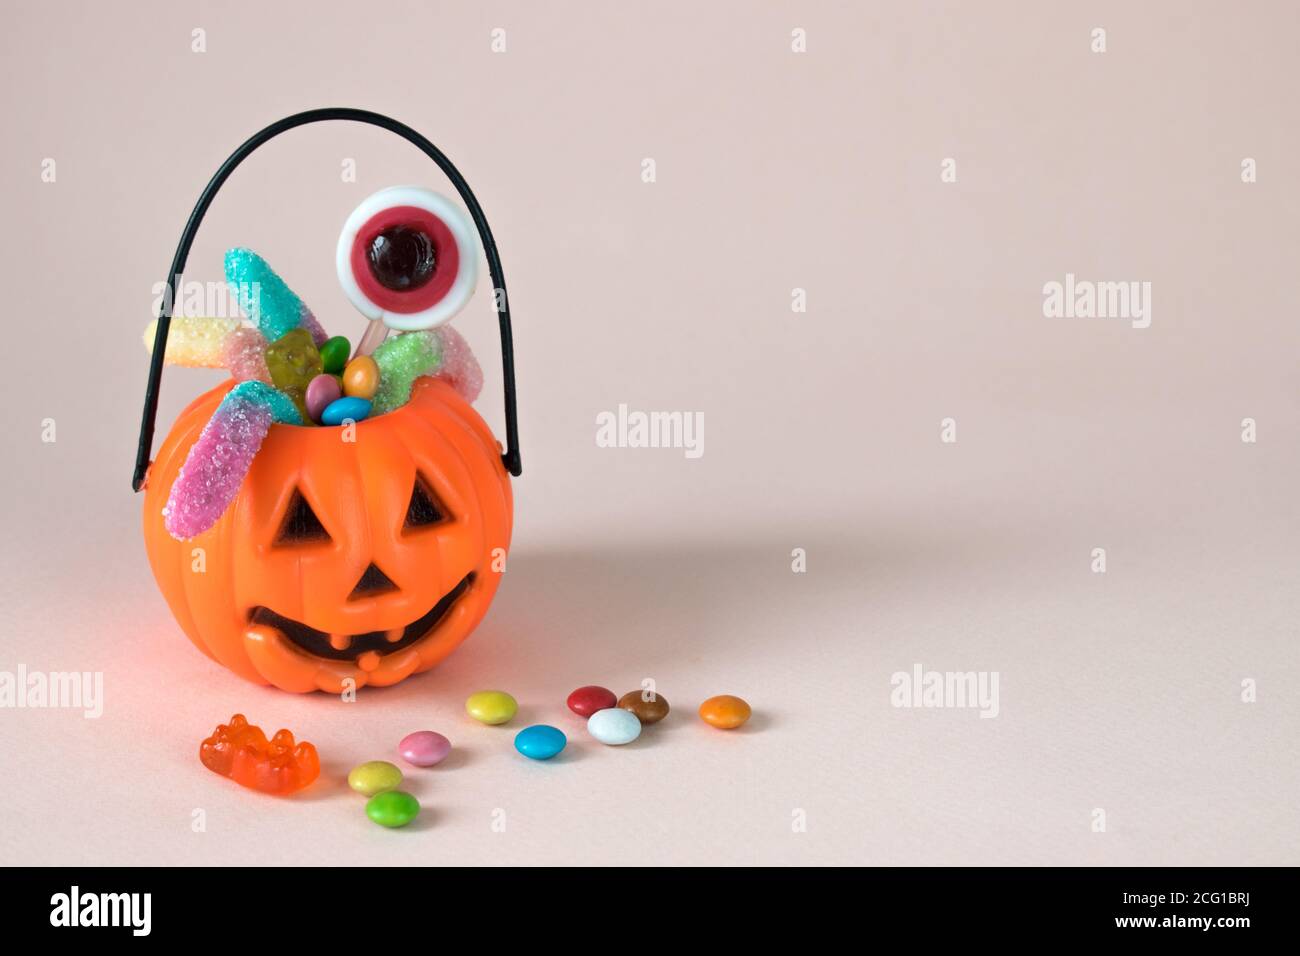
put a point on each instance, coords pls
(348, 647)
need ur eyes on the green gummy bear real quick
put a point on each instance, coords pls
(293, 360)
(401, 361)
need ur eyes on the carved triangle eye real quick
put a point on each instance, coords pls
(425, 509)
(300, 525)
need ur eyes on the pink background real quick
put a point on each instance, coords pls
(776, 170)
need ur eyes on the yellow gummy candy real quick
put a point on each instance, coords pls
(194, 342)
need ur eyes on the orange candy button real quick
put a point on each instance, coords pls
(361, 378)
(725, 712)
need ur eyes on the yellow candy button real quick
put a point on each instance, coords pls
(374, 776)
(491, 706)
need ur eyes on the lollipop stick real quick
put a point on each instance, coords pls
(375, 334)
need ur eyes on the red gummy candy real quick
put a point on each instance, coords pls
(240, 750)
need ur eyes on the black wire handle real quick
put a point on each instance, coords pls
(511, 457)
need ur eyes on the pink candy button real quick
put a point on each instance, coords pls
(321, 390)
(424, 748)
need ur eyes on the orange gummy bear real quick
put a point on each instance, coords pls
(240, 750)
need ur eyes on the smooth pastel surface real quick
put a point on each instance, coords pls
(491, 706)
(458, 365)
(374, 776)
(400, 361)
(345, 409)
(1121, 689)
(725, 711)
(424, 748)
(293, 360)
(334, 354)
(217, 463)
(647, 711)
(265, 298)
(540, 741)
(193, 342)
(322, 391)
(614, 726)
(392, 808)
(585, 701)
(361, 377)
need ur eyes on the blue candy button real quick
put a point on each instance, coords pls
(540, 741)
(341, 409)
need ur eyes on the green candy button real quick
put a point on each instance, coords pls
(392, 808)
(334, 354)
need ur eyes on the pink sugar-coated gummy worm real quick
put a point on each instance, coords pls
(215, 468)
(459, 366)
(244, 354)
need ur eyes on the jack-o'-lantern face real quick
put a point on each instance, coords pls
(367, 559)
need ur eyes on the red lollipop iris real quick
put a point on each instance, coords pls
(408, 260)
(405, 259)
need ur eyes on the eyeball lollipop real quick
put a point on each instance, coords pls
(408, 260)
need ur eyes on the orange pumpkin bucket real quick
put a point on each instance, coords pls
(343, 560)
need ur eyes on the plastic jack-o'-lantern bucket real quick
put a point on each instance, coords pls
(339, 563)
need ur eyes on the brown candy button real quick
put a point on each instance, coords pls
(647, 711)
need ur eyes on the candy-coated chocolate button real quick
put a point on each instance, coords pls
(322, 391)
(345, 409)
(647, 711)
(540, 741)
(614, 726)
(392, 808)
(491, 706)
(585, 701)
(374, 776)
(725, 712)
(361, 377)
(334, 354)
(424, 748)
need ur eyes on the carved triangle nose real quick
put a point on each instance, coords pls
(372, 582)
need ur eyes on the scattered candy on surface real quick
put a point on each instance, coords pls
(398, 363)
(491, 706)
(647, 711)
(239, 750)
(585, 701)
(459, 366)
(265, 299)
(321, 392)
(725, 712)
(193, 342)
(540, 741)
(614, 726)
(374, 776)
(392, 808)
(345, 409)
(424, 748)
(293, 360)
(218, 461)
(361, 377)
(334, 354)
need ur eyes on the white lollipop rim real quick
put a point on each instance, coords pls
(462, 230)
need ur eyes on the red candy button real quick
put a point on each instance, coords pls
(585, 701)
